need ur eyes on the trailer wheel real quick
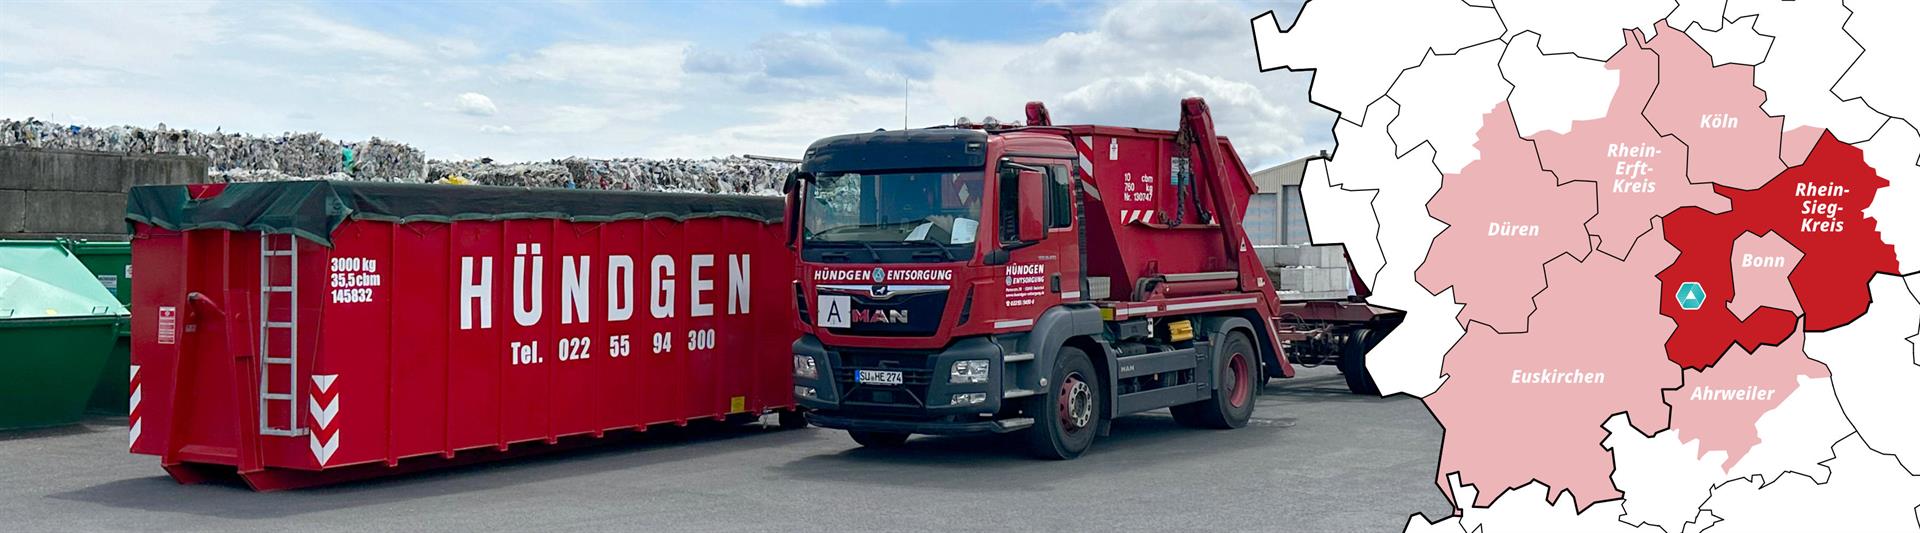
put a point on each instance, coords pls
(793, 419)
(1232, 402)
(1067, 416)
(874, 439)
(1353, 363)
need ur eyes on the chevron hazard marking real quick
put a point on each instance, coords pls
(322, 451)
(323, 415)
(324, 382)
(323, 404)
(133, 405)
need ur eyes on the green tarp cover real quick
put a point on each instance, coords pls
(312, 209)
(41, 280)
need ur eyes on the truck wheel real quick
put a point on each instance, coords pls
(1067, 416)
(1353, 363)
(1232, 401)
(793, 419)
(874, 439)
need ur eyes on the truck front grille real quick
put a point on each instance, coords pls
(914, 374)
(911, 393)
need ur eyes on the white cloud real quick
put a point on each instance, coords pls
(456, 48)
(785, 129)
(604, 122)
(475, 104)
(1238, 106)
(649, 67)
(61, 77)
(804, 3)
(1131, 68)
(578, 81)
(97, 37)
(818, 63)
(302, 31)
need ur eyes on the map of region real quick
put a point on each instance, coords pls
(1682, 270)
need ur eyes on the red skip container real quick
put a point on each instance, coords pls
(302, 333)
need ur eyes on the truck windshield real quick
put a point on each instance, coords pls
(910, 208)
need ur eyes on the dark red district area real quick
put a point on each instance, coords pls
(1817, 208)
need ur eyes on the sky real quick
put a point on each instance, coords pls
(521, 81)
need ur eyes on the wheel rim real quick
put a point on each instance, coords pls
(1076, 403)
(1240, 382)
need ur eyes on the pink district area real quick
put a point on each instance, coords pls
(1716, 112)
(1719, 406)
(1505, 218)
(1796, 144)
(1639, 173)
(1529, 406)
(1760, 268)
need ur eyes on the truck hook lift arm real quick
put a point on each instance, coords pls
(1196, 119)
(1037, 114)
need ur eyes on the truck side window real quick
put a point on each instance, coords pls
(1059, 197)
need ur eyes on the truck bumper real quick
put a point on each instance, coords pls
(922, 404)
(933, 427)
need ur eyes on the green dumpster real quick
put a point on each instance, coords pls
(57, 325)
(112, 264)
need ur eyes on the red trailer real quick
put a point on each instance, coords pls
(310, 332)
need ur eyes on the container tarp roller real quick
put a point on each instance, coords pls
(313, 209)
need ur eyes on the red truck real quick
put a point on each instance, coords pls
(1038, 278)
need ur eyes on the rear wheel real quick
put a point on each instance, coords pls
(875, 439)
(1232, 402)
(1353, 363)
(1065, 419)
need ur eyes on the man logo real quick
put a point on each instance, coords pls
(880, 316)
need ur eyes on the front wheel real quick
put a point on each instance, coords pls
(1232, 402)
(1066, 418)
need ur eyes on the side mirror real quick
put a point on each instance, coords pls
(795, 180)
(1033, 206)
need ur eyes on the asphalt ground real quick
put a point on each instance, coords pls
(1313, 459)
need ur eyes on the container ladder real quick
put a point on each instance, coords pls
(281, 251)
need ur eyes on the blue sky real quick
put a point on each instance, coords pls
(529, 81)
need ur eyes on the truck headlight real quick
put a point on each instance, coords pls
(969, 371)
(804, 367)
(805, 392)
(970, 398)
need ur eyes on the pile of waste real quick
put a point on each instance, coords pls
(231, 155)
(240, 158)
(730, 174)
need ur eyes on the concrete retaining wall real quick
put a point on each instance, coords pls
(54, 193)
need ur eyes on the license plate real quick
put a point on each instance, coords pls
(878, 377)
